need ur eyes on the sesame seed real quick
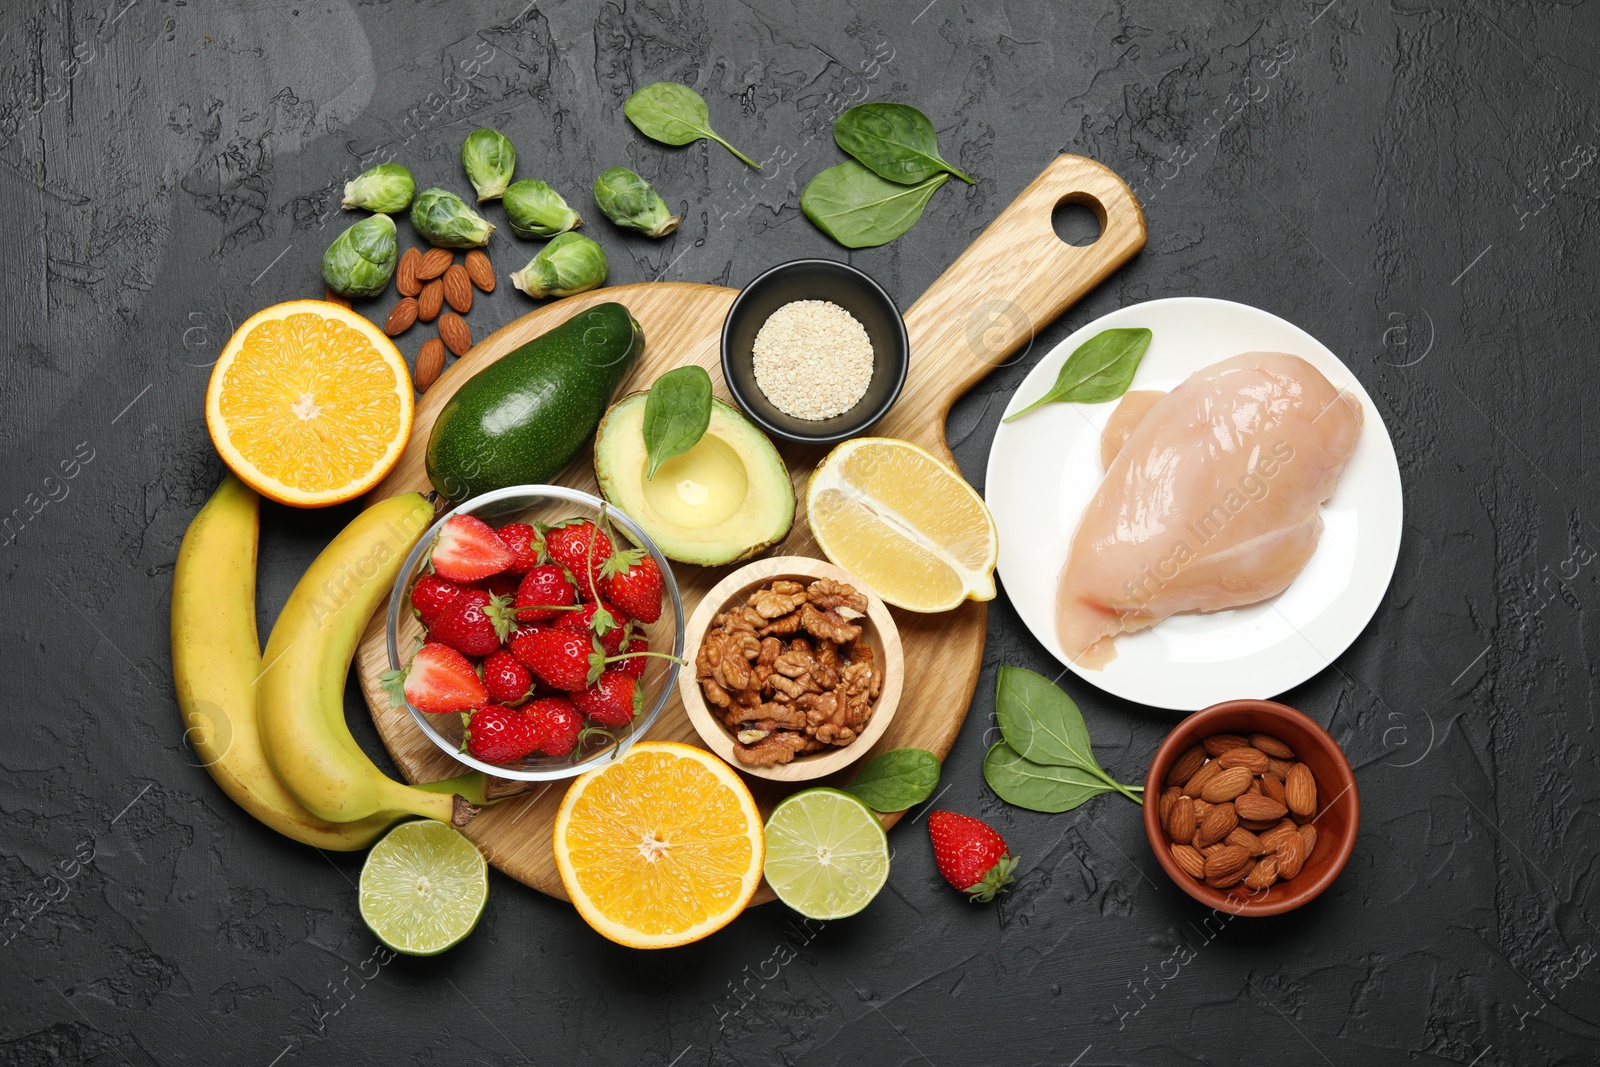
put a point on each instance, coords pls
(812, 359)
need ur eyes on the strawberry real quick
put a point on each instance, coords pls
(559, 657)
(468, 549)
(632, 581)
(507, 680)
(599, 618)
(545, 586)
(582, 549)
(613, 700)
(431, 595)
(503, 584)
(466, 625)
(633, 665)
(439, 680)
(498, 734)
(560, 721)
(525, 545)
(970, 855)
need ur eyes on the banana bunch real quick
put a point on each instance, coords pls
(276, 741)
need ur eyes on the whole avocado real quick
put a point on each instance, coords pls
(523, 418)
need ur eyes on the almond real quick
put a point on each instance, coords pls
(1291, 855)
(1181, 823)
(430, 361)
(1272, 746)
(405, 275)
(1226, 866)
(458, 288)
(1272, 836)
(1308, 834)
(1255, 787)
(335, 298)
(1184, 766)
(1217, 744)
(1164, 804)
(1257, 826)
(1197, 781)
(1263, 874)
(1251, 759)
(480, 270)
(1247, 841)
(1215, 846)
(1226, 785)
(1279, 767)
(1201, 807)
(401, 318)
(454, 333)
(1189, 858)
(430, 300)
(1300, 791)
(1219, 823)
(434, 262)
(1251, 806)
(1272, 787)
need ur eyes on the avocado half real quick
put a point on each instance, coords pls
(725, 499)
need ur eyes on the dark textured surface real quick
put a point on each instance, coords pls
(1412, 182)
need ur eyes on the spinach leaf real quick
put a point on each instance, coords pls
(1037, 786)
(1041, 722)
(859, 209)
(894, 141)
(676, 414)
(896, 779)
(1100, 369)
(674, 114)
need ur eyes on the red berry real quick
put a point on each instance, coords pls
(970, 855)
(507, 680)
(525, 545)
(632, 581)
(468, 549)
(439, 680)
(559, 657)
(431, 595)
(613, 700)
(544, 586)
(611, 627)
(560, 721)
(499, 734)
(466, 626)
(634, 666)
(583, 550)
(503, 584)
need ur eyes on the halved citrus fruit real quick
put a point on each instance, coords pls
(903, 522)
(423, 887)
(309, 404)
(660, 848)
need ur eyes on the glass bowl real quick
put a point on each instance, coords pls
(546, 503)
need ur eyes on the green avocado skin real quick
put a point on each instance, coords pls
(523, 418)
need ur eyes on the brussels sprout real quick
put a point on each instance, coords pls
(489, 158)
(536, 210)
(386, 188)
(361, 259)
(570, 263)
(630, 202)
(444, 219)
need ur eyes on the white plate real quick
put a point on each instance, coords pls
(1043, 470)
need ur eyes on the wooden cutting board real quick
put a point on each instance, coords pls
(1009, 284)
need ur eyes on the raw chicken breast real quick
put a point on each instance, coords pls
(1128, 414)
(1211, 501)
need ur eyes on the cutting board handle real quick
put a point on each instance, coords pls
(1006, 287)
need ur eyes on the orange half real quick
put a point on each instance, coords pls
(660, 848)
(309, 404)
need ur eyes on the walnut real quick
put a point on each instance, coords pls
(830, 595)
(782, 626)
(828, 625)
(771, 750)
(770, 603)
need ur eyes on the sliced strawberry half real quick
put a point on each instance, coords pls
(468, 550)
(439, 680)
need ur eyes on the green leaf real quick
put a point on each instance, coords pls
(859, 209)
(1041, 722)
(674, 114)
(894, 141)
(896, 779)
(676, 414)
(1037, 786)
(1100, 369)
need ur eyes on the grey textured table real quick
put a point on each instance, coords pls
(1412, 182)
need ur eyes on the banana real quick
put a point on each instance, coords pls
(300, 696)
(216, 657)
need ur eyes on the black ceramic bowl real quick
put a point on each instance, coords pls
(815, 279)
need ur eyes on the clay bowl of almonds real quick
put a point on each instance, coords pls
(1251, 807)
(794, 669)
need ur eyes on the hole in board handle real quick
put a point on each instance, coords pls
(1078, 219)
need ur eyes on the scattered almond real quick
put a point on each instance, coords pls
(1181, 823)
(401, 318)
(1226, 785)
(1257, 826)
(1201, 807)
(430, 300)
(1189, 858)
(1251, 806)
(1300, 790)
(480, 270)
(1217, 744)
(435, 261)
(1271, 746)
(1279, 767)
(1184, 766)
(1219, 823)
(405, 275)
(458, 292)
(430, 361)
(455, 334)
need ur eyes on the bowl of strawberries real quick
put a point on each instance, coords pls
(534, 632)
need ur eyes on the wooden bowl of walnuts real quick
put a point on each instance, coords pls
(795, 669)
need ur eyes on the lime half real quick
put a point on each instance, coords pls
(423, 888)
(827, 854)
